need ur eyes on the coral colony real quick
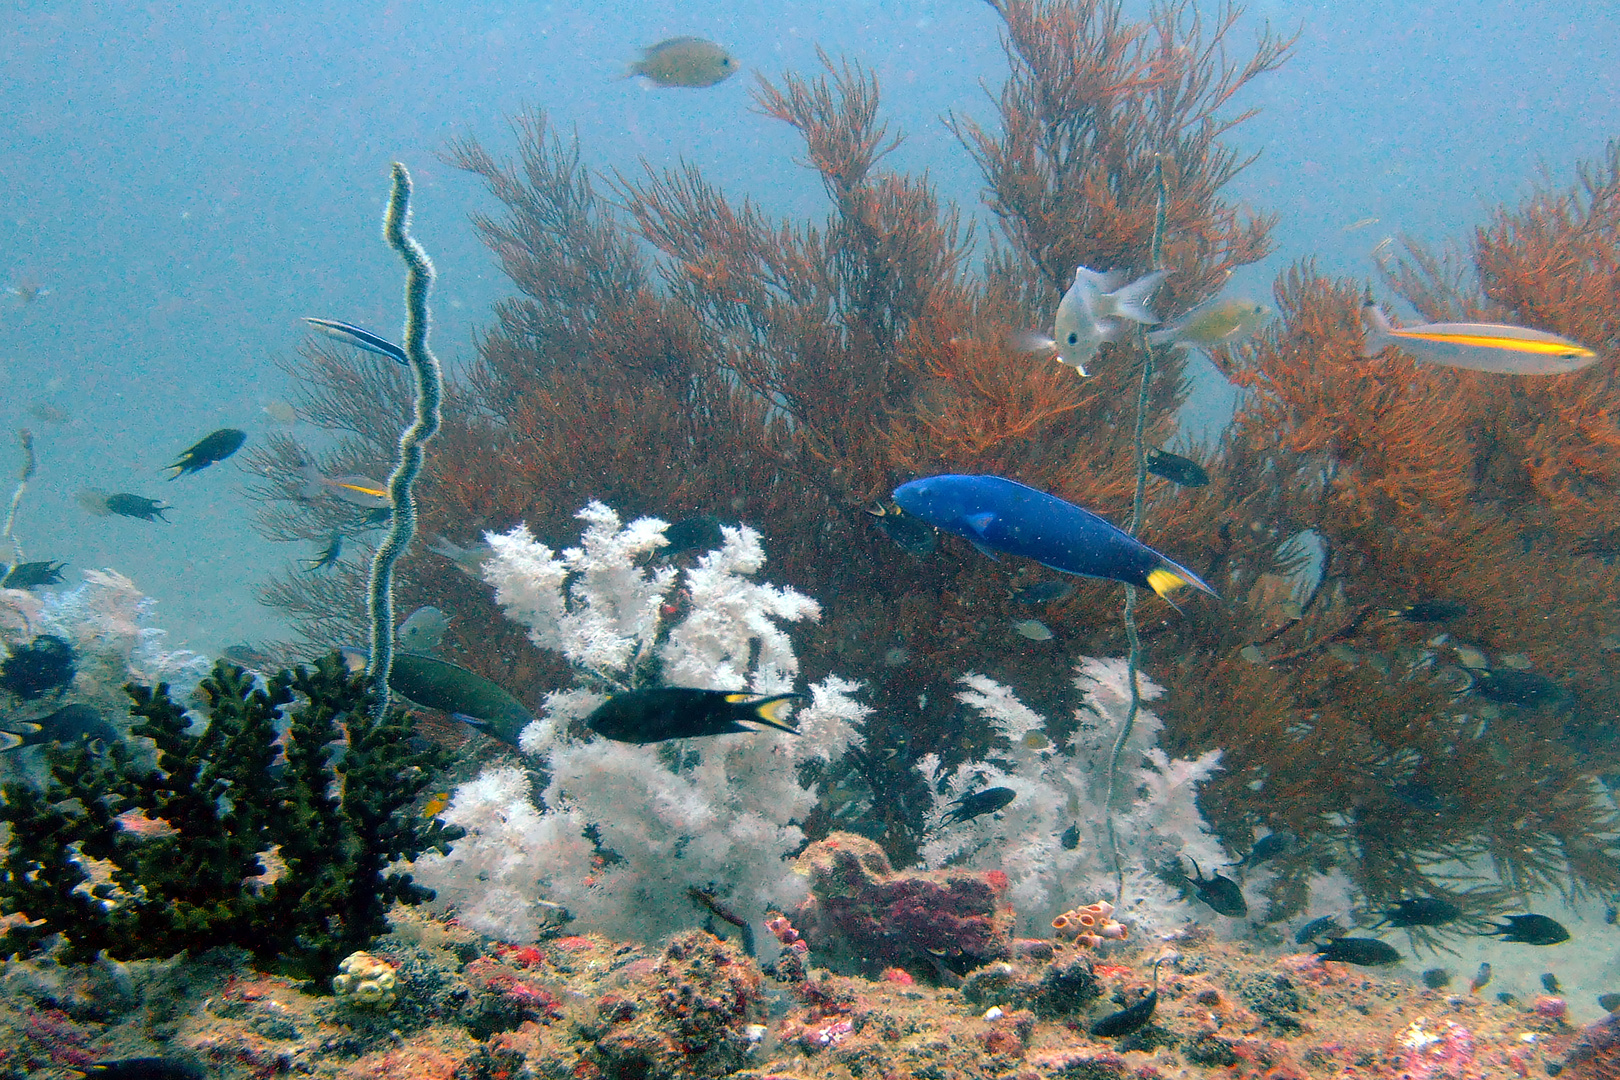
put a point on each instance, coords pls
(1413, 653)
(1412, 662)
(627, 831)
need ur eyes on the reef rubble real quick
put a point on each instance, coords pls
(697, 1007)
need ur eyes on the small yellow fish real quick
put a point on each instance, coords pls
(436, 804)
(684, 61)
(355, 490)
(1495, 347)
(1219, 322)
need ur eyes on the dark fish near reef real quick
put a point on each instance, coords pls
(699, 532)
(439, 684)
(69, 724)
(1530, 930)
(1482, 979)
(1549, 983)
(1045, 592)
(359, 337)
(1436, 978)
(1070, 838)
(678, 712)
(1326, 925)
(1220, 893)
(1268, 846)
(978, 804)
(143, 1068)
(995, 514)
(30, 575)
(248, 656)
(1130, 1019)
(135, 506)
(1176, 469)
(1421, 911)
(684, 61)
(1524, 688)
(1366, 951)
(329, 555)
(215, 446)
(916, 538)
(1609, 1002)
(1508, 350)
(42, 665)
(1434, 610)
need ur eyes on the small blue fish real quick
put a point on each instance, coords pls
(359, 337)
(995, 514)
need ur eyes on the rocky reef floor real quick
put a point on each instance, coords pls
(697, 1007)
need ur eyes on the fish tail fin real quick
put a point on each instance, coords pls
(767, 711)
(16, 740)
(1130, 301)
(1375, 331)
(314, 483)
(1170, 576)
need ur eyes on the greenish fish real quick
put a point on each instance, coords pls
(684, 61)
(1218, 322)
(438, 684)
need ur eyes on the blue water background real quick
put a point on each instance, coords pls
(186, 180)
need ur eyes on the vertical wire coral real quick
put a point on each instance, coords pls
(429, 391)
(26, 438)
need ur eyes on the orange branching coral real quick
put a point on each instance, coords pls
(790, 374)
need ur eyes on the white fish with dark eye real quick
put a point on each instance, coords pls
(1091, 313)
(423, 630)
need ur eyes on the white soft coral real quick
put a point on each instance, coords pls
(718, 813)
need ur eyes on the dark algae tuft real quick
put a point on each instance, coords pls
(193, 887)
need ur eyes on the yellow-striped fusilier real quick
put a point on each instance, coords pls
(1509, 350)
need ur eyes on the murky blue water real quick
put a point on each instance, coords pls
(187, 179)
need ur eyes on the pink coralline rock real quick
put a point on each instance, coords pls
(863, 916)
(1595, 1055)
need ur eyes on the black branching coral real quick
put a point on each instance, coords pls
(280, 844)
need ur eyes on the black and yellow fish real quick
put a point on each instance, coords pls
(679, 712)
(215, 446)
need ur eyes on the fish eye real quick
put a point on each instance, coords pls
(1074, 338)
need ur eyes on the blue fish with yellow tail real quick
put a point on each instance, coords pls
(995, 514)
